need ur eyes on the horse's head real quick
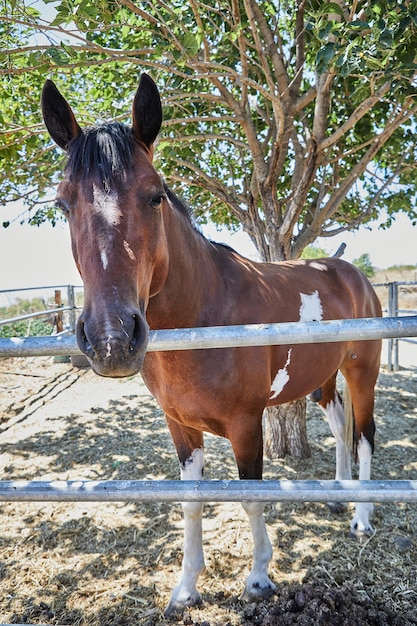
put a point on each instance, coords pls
(114, 202)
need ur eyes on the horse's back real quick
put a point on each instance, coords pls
(339, 285)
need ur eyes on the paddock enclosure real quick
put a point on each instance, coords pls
(114, 564)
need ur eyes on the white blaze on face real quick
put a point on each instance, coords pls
(129, 251)
(104, 259)
(106, 203)
(107, 206)
(281, 378)
(311, 309)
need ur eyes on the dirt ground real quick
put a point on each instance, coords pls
(105, 564)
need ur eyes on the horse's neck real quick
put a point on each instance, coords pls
(191, 275)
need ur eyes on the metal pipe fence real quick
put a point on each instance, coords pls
(71, 306)
(392, 310)
(209, 491)
(232, 336)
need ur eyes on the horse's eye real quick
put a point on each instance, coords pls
(62, 206)
(156, 200)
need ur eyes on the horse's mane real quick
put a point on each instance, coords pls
(105, 150)
(185, 210)
(180, 205)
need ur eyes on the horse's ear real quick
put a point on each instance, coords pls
(58, 116)
(146, 111)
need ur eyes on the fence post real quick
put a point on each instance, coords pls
(394, 342)
(71, 304)
(58, 322)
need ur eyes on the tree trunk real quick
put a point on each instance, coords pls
(285, 425)
(285, 430)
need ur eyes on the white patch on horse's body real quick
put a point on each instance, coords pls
(281, 378)
(363, 510)
(311, 309)
(192, 469)
(335, 415)
(185, 593)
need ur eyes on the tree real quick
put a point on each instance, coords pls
(364, 263)
(294, 119)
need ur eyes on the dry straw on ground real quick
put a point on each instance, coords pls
(115, 565)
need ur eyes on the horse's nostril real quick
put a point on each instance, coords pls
(137, 334)
(83, 341)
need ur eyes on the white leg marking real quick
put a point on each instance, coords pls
(281, 378)
(185, 593)
(258, 584)
(336, 417)
(363, 510)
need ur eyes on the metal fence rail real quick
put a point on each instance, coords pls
(210, 491)
(232, 336)
(394, 310)
(71, 307)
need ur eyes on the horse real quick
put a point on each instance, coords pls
(146, 265)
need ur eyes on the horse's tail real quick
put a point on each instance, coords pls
(349, 418)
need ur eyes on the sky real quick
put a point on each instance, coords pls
(32, 256)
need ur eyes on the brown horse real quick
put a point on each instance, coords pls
(145, 265)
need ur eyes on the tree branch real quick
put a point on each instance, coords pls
(359, 112)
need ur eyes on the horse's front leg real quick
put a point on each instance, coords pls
(189, 445)
(258, 584)
(249, 457)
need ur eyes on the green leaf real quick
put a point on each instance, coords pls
(330, 7)
(359, 24)
(190, 43)
(324, 56)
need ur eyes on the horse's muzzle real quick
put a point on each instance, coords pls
(115, 347)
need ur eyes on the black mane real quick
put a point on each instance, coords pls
(178, 204)
(105, 151)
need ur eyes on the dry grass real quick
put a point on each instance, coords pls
(116, 564)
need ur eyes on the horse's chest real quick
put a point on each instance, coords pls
(206, 382)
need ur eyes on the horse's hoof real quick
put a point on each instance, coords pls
(361, 536)
(256, 592)
(337, 508)
(360, 531)
(176, 608)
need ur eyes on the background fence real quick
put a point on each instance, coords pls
(61, 314)
(394, 309)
